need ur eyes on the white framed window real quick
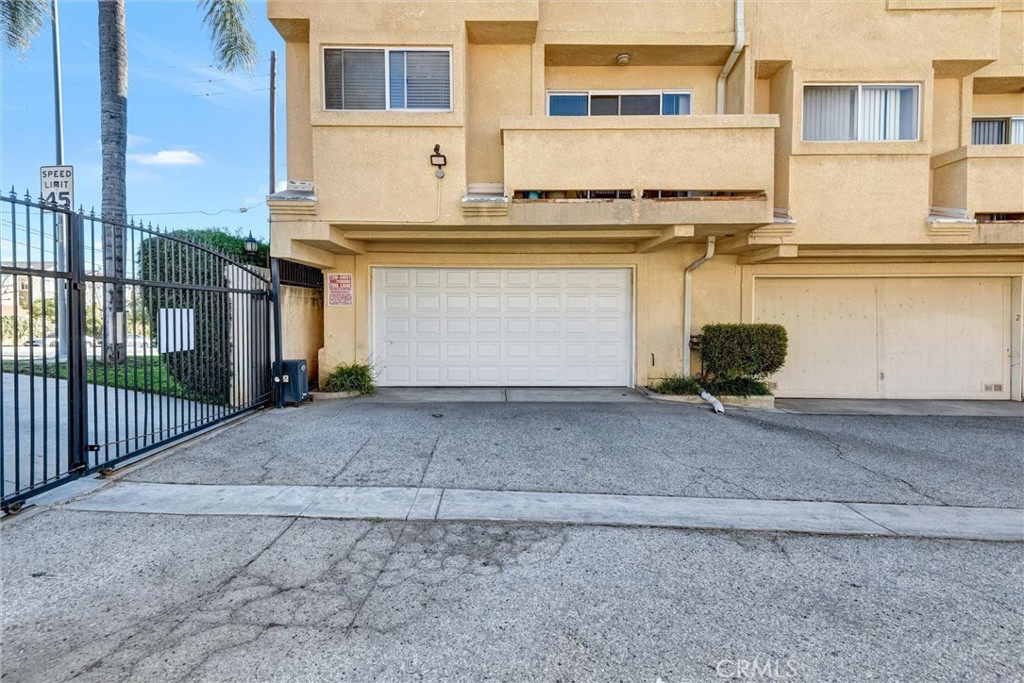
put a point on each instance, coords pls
(387, 79)
(998, 130)
(861, 112)
(619, 103)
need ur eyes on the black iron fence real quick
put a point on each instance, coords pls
(117, 339)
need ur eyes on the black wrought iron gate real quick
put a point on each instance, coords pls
(117, 339)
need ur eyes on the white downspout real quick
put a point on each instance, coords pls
(687, 298)
(741, 38)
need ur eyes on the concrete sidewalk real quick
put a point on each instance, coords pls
(906, 407)
(462, 505)
(504, 395)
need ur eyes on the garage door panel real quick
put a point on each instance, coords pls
(895, 337)
(942, 337)
(496, 327)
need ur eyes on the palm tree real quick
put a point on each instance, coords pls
(234, 48)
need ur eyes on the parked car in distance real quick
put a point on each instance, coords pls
(137, 341)
(51, 342)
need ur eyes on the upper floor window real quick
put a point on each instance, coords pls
(860, 112)
(616, 103)
(1005, 130)
(387, 79)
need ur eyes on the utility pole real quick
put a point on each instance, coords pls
(273, 121)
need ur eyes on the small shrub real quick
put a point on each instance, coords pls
(350, 377)
(677, 385)
(743, 350)
(736, 386)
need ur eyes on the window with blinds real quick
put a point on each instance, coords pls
(840, 113)
(1006, 130)
(387, 79)
(608, 103)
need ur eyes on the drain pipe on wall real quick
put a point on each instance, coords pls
(687, 312)
(741, 38)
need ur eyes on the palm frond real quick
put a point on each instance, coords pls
(21, 21)
(228, 22)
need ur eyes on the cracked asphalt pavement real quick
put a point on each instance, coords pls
(117, 597)
(108, 597)
(631, 448)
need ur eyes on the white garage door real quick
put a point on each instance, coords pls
(891, 337)
(502, 327)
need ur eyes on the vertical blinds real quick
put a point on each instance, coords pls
(997, 131)
(387, 79)
(850, 112)
(830, 113)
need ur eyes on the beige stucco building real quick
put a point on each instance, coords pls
(512, 192)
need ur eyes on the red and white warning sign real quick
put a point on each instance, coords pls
(339, 289)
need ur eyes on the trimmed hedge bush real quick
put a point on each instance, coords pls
(737, 386)
(677, 385)
(354, 377)
(743, 349)
(206, 370)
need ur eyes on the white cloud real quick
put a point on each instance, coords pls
(136, 141)
(168, 157)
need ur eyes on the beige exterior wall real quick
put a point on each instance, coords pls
(302, 329)
(823, 210)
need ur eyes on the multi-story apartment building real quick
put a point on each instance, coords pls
(560, 192)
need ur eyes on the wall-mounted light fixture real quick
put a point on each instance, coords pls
(251, 247)
(622, 59)
(439, 160)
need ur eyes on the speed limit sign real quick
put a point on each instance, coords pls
(57, 185)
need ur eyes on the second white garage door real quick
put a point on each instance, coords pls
(503, 327)
(893, 337)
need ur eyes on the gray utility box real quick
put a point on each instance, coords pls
(294, 384)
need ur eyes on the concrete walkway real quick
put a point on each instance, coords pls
(892, 406)
(465, 505)
(504, 395)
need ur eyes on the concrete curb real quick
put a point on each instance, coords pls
(333, 395)
(533, 507)
(752, 402)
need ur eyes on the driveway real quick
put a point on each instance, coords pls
(93, 592)
(633, 447)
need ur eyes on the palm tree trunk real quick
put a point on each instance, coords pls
(113, 141)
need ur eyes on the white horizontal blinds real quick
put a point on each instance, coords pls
(830, 112)
(888, 113)
(427, 79)
(1017, 131)
(987, 131)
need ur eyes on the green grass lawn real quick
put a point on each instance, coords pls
(138, 373)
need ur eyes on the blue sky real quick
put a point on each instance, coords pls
(198, 137)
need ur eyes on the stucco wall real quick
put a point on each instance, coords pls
(302, 331)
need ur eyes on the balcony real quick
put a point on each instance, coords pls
(696, 170)
(985, 179)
